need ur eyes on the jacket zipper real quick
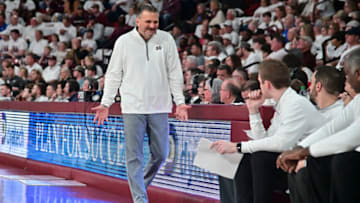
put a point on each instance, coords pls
(147, 51)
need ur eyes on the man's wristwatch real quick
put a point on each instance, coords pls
(238, 147)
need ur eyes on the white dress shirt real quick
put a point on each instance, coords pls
(147, 73)
(294, 118)
(339, 135)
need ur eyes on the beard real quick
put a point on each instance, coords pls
(313, 95)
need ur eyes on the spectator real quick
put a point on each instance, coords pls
(54, 42)
(97, 27)
(60, 91)
(25, 95)
(3, 24)
(178, 35)
(31, 63)
(69, 62)
(171, 10)
(249, 59)
(65, 74)
(88, 43)
(212, 91)
(29, 34)
(61, 52)
(228, 28)
(23, 74)
(233, 61)
(65, 30)
(5, 92)
(77, 53)
(38, 44)
(277, 47)
(91, 71)
(71, 90)
(249, 86)
(229, 49)
(99, 16)
(79, 75)
(79, 19)
(90, 61)
(17, 45)
(36, 77)
(38, 92)
(15, 25)
(4, 44)
(214, 49)
(216, 15)
(352, 39)
(196, 50)
(230, 92)
(130, 18)
(51, 92)
(308, 59)
(43, 61)
(52, 72)
(190, 63)
(12, 79)
(223, 72)
(240, 76)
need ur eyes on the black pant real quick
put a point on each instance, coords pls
(312, 183)
(345, 177)
(258, 177)
(333, 179)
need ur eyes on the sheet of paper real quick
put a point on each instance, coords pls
(52, 182)
(249, 134)
(31, 177)
(222, 164)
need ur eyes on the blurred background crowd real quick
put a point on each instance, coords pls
(55, 50)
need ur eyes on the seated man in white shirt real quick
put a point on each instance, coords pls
(17, 45)
(89, 42)
(52, 72)
(249, 59)
(31, 63)
(294, 118)
(277, 47)
(326, 85)
(334, 147)
(38, 44)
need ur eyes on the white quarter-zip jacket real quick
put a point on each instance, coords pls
(147, 73)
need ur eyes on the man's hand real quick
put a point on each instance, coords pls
(182, 112)
(301, 164)
(288, 161)
(224, 147)
(254, 100)
(102, 113)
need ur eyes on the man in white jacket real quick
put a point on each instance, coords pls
(338, 140)
(145, 66)
(294, 118)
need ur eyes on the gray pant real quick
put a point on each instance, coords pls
(135, 127)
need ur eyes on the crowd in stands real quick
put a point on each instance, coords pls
(52, 49)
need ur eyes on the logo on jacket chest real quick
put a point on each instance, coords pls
(158, 47)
